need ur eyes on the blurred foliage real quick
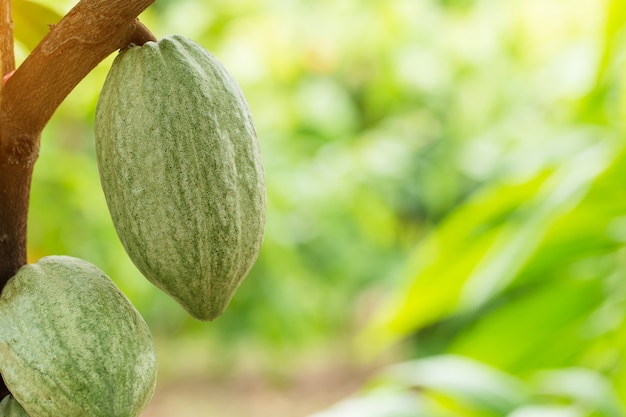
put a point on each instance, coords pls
(454, 386)
(447, 175)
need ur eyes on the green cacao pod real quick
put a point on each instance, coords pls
(72, 345)
(11, 408)
(181, 171)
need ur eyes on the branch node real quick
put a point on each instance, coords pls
(141, 35)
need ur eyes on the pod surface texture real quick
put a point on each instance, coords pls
(72, 345)
(181, 171)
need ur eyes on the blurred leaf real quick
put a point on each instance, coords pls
(463, 379)
(384, 403)
(548, 411)
(32, 21)
(465, 237)
(483, 246)
(467, 388)
(533, 330)
(581, 386)
(615, 23)
(523, 234)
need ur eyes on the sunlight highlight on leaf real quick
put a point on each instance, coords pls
(32, 21)
(463, 379)
(523, 234)
(382, 404)
(482, 247)
(549, 411)
(583, 386)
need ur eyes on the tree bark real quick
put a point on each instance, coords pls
(90, 32)
(6, 38)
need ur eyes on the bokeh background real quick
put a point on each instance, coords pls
(446, 229)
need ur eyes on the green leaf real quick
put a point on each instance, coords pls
(548, 411)
(519, 240)
(383, 403)
(581, 386)
(483, 247)
(465, 380)
(437, 270)
(32, 21)
(541, 327)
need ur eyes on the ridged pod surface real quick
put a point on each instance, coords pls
(181, 171)
(72, 345)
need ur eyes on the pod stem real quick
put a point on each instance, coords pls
(142, 35)
(90, 32)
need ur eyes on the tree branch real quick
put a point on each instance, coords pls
(142, 35)
(6, 37)
(90, 32)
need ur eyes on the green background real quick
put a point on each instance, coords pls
(446, 193)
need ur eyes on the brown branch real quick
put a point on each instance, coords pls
(6, 37)
(142, 35)
(90, 32)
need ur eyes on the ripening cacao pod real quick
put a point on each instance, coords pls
(181, 171)
(11, 408)
(72, 345)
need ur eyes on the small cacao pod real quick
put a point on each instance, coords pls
(11, 408)
(72, 345)
(181, 171)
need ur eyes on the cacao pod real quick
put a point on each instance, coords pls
(11, 408)
(72, 345)
(181, 171)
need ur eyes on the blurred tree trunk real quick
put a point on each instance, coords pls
(90, 32)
